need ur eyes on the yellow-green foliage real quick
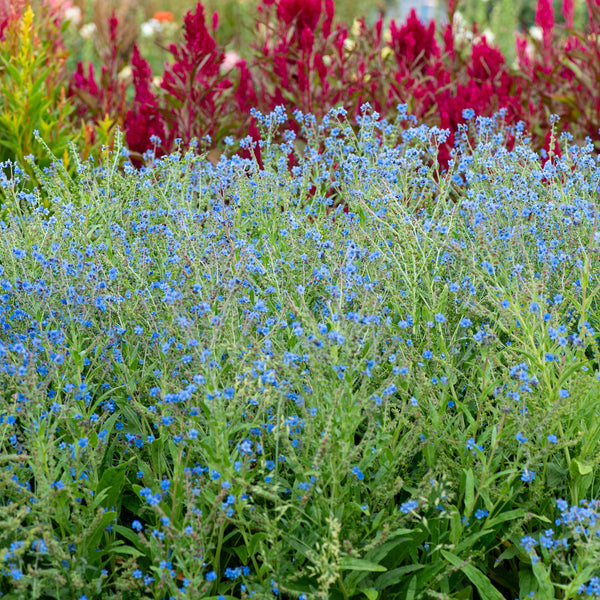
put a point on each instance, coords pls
(32, 91)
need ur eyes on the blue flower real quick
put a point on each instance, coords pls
(336, 338)
(409, 506)
(39, 546)
(471, 445)
(527, 476)
(359, 474)
(528, 543)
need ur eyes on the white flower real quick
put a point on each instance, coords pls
(489, 36)
(349, 44)
(73, 15)
(125, 73)
(458, 21)
(87, 31)
(537, 33)
(150, 28)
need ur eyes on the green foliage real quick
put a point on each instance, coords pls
(32, 94)
(216, 378)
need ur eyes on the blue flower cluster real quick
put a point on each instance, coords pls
(257, 337)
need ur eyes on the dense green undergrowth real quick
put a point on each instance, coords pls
(345, 375)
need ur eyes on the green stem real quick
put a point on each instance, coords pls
(217, 562)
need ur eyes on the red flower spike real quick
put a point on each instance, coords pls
(522, 55)
(245, 94)
(451, 6)
(144, 120)
(378, 29)
(321, 69)
(108, 96)
(329, 14)
(303, 85)
(448, 38)
(568, 13)
(414, 44)
(307, 41)
(544, 18)
(113, 25)
(486, 62)
(301, 13)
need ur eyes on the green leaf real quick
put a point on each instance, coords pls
(91, 543)
(111, 482)
(124, 549)
(128, 533)
(469, 489)
(370, 593)
(542, 576)
(582, 577)
(256, 539)
(392, 547)
(298, 545)
(468, 542)
(242, 552)
(412, 588)
(99, 498)
(579, 467)
(395, 576)
(509, 553)
(556, 474)
(476, 577)
(358, 564)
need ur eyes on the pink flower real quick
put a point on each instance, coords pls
(232, 58)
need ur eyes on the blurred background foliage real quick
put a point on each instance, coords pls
(500, 19)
